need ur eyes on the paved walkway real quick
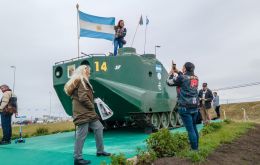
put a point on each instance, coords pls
(58, 148)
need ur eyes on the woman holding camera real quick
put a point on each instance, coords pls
(188, 99)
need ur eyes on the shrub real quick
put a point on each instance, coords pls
(228, 121)
(41, 131)
(194, 156)
(210, 128)
(206, 130)
(166, 144)
(216, 126)
(181, 141)
(145, 157)
(120, 159)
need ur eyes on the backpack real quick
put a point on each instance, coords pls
(13, 101)
(12, 105)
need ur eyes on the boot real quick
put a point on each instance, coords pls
(103, 153)
(81, 162)
(4, 142)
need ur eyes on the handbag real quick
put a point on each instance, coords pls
(123, 41)
(104, 111)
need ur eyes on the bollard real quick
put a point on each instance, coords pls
(245, 117)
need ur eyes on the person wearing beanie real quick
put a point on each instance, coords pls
(206, 97)
(188, 100)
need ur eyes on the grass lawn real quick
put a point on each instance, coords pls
(164, 144)
(209, 142)
(31, 130)
(235, 111)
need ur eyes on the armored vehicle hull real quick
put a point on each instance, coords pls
(133, 86)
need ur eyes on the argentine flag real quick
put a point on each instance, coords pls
(96, 27)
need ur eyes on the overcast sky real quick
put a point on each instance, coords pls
(221, 37)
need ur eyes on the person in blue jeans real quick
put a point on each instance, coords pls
(120, 32)
(6, 117)
(188, 99)
(6, 128)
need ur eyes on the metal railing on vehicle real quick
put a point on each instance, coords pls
(80, 57)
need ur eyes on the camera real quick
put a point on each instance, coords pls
(173, 66)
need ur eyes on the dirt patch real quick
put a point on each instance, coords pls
(244, 150)
(172, 161)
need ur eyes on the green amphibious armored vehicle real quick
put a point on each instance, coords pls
(133, 86)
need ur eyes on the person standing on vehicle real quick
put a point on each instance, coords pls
(84, 115)
(6, 111)
(120, 32)
(216, 104)
(187, 99)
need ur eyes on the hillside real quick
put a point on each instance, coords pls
(235, 111)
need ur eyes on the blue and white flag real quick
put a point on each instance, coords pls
(96, 27)
(141, 20)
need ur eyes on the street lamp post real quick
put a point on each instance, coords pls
(50, 104)
(14, 76)
(156, 46)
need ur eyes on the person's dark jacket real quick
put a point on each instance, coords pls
(83, 104)
(208, 97)
(120, 33)
(188, 83)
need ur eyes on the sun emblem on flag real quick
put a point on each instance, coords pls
(99, 28)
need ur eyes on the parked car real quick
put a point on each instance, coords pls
(39, 121)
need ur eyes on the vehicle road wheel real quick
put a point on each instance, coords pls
(173, 119)
(180, 122)
(155, 120)
(165, 120)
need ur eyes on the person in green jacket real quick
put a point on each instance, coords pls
(84, 115)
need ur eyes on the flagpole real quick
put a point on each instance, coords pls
(146, 23)
(145, 37)
(77, 6)
(139, 23)
(135, 34)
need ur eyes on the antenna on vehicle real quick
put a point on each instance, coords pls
(84, 54)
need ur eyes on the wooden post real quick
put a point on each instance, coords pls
(244, 112)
